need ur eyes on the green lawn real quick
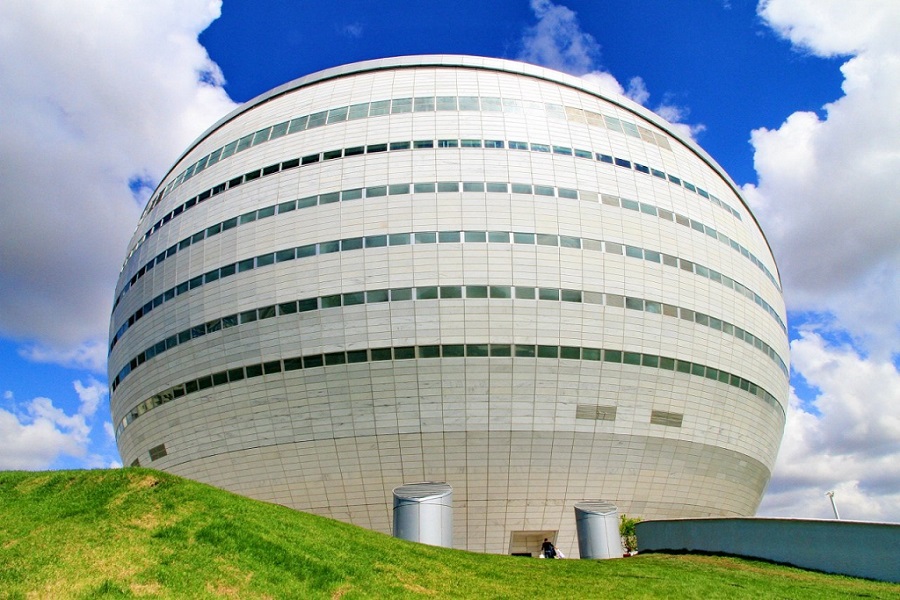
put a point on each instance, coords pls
(141, 533)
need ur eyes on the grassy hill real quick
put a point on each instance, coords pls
(142, 533)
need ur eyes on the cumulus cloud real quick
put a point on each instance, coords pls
(35, 437)
(558, 42)
(89, 396)
(36, 434)
(828, 199)
(827, 193)
(96, 101)
(845, 440)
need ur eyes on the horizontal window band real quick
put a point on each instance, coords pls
(444, 292)
(447, 351)
(442, 237)
(406, 105)
(395, 146)
(439, 187)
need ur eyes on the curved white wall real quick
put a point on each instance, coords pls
(560, 299)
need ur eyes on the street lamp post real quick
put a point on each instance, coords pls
(833, 505)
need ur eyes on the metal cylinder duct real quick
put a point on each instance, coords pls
(423, 512)
(597, 523)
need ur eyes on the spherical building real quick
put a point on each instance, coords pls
(456, 269)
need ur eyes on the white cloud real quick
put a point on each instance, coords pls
(827, 194)
(847, 440)
(558, 42)
(93, 96)
(35, 438)
(90, 355)
(827, 199)
(90, 395)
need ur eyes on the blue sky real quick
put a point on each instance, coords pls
(795, 98)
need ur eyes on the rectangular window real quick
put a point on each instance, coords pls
(424, 104)
(545, 239)
(570, 295)
(317, 119)
(668, 419)
(423, 188)
(475, 236)
(329, 247)
(521, 188)
(379, 107)
(358, 111)
(518, 145)
(493, 143)
(451, 291)
(398, 239)
(400, 294)
(283, 255)
(331, 301)
(401, 105)
(524, 350)
(471, 143)
(448, 186)
(354, 151)
(525, 293)
(376, 191)
(448, 144)
(298, 124)
(476, 291)
(544, 190)
(157, 452)
(548, 351)
(354, 194)
(404, 353)
(476, 350)
(423, 144)
(426, 237)
(562, 150)
(351, 244)
(335, 358)
(449, 236)
(400, 146)
(426, 293)
(548, 294)
(523, 238)
(446, 102)
(490, 104)
(540, 148)
(398, 188)
(500, 291)
(376, 241)
(376, 296)
(371, 148)
(453, 350)
(468, 103)
(500, 237)
(311, 362)
(429, 351)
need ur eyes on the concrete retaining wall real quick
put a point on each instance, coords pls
(859, 549)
